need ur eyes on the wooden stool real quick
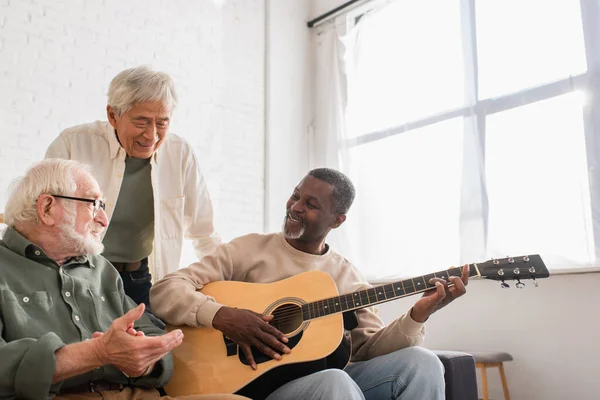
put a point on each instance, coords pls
(489, 359)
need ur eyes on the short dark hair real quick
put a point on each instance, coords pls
(343, 189)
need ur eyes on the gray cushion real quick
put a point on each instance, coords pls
(490, 356)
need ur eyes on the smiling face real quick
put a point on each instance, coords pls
(80, 229)
(142, 129)
(310, 215)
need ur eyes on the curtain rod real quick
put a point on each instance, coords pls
(329, 13)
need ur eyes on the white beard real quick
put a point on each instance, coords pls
(292, 235)
(76, 241)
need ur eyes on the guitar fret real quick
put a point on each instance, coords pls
(364, 297)
(330, 305)
(371, 295)
(349, 301)
(410, 285)
(389, 291)
(399, 289)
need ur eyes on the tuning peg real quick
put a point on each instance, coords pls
(534, 281)
(519, 284)
(504, 285)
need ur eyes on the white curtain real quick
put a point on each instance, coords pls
(445, 176)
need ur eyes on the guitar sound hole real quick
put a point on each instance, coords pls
(287, 318)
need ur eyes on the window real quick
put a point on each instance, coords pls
(470, 134)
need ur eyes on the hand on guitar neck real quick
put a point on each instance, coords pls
(444, 293)
(247, 328)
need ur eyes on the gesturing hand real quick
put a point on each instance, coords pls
(131, 351)
(247, 328)
(443, 294)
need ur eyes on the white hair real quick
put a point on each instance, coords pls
(51, 176)
(141, 85)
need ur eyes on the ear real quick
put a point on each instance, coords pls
(46, 209)
(339, 220)
(111, 114)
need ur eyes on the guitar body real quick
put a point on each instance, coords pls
(205, 363)
(308, 310)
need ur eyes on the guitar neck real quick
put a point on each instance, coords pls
(379, 294)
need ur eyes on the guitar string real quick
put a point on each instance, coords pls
(295, 313)
(298, 313)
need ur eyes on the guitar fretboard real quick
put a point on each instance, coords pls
(379, 294)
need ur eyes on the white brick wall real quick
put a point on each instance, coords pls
(58, 56)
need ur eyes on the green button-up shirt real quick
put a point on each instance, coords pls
(44, 306)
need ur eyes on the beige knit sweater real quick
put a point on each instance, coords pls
(268, 258)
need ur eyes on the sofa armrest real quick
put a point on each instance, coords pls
(460, 375)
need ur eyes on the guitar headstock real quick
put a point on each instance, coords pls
(519, 268)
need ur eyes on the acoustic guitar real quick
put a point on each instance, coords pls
(308, 310)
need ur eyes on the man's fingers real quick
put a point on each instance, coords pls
(458, 285)
(270, 329)
(249, 357)
(465, 274)
(130, 317)
(435, 281)
(441, 291)
(268, 340)
(96, 335)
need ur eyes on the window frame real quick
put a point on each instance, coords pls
(477, 110)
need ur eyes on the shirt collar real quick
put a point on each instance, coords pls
(17, 243)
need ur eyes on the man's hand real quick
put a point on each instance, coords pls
(247, 328)
(130, 350)
(443, 294)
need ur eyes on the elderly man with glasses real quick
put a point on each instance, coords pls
(68, 329)
(156, 194)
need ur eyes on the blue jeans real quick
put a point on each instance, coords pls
(330, 384)
(137, 284)
(413, 373)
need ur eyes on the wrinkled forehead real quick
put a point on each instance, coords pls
(87, 186)
(316, 188)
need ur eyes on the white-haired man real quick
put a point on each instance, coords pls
(68, 329)
(155, 191)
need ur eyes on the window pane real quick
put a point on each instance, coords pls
(404, 62)
(538, 183)
(525, 43)
(405, 217)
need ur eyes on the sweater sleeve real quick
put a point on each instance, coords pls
(176, 298)
(371, 338)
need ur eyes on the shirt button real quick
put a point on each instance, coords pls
(37, 252)
(68, 294)
(25, 299)
(77, 318)
(103, 298)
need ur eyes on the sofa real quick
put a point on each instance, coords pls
(460, 375)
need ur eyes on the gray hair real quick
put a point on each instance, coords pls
(141, 85)
(343, 189)
(52, 176)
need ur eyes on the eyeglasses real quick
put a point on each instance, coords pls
(98, 204)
